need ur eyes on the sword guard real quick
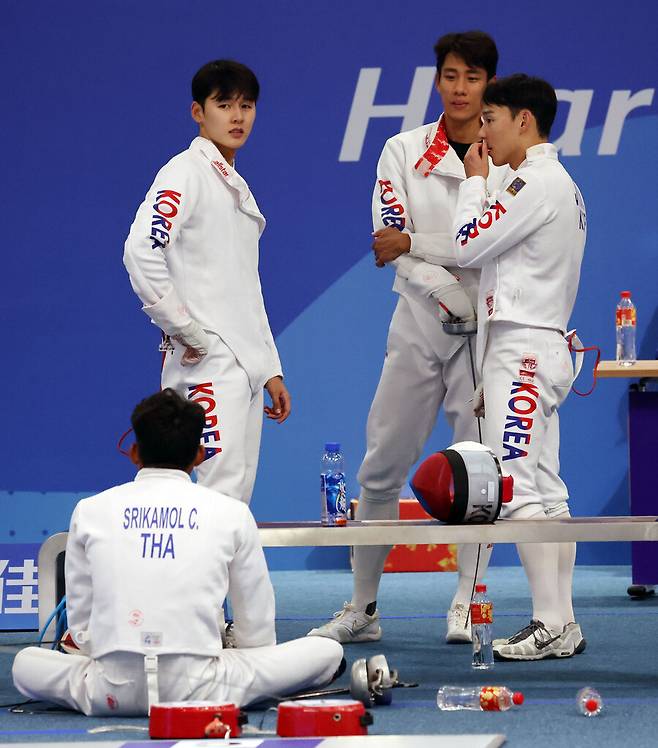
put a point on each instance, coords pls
(459, 327)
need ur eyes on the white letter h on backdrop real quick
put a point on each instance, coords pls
(364, 109)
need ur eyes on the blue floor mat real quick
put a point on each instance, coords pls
(620, 662)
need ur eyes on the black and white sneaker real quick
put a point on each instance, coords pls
(534, 642)
(350, 625)
(572, 634)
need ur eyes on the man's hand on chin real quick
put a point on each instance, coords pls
(476, 160)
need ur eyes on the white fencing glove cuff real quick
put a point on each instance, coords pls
(434, 281)
(169, 313)
(426, 279)
(171, 316)
(196, 341)
(404, 265)
(453, 302)
(478, 401)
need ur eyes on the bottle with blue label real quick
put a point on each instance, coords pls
(333, 496)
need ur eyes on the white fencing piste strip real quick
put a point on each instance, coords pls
(383, 741)
(401, 532)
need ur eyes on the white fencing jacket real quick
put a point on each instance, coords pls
(149, 563)
(423, 204)
(192, 252)
(528, 238)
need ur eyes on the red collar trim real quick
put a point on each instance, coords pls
(436, 151)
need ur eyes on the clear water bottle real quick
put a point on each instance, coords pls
(333, 496)
(625, 324)
(480, 698)
(589, 702)
(481, 633)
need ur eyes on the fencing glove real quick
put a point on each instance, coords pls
(434, 281)
(195, 338)
(171, 316)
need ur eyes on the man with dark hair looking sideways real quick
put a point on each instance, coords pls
(192, 257)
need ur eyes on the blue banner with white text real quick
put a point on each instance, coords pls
(95, 99)
(19, 581)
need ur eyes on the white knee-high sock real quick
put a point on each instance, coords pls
(540, 563)
(467, 558)
(566, 563)
(369, 559)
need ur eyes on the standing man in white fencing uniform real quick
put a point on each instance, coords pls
(415, 196)
(148, 564)
(529, 239)
(192, 257)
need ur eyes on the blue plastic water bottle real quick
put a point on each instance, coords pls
(333, 496)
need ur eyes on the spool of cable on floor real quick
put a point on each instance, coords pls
(195, 719)
(322, 718)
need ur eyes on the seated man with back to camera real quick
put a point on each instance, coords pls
(148, 566)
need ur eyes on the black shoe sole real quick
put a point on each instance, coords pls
(581, 647)
(502, 658)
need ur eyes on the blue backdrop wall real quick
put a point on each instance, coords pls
(95, 98)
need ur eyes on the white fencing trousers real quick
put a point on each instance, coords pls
(416, 380)
(419, 375)
(527, 374)
(234, 416)
(116, 684)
